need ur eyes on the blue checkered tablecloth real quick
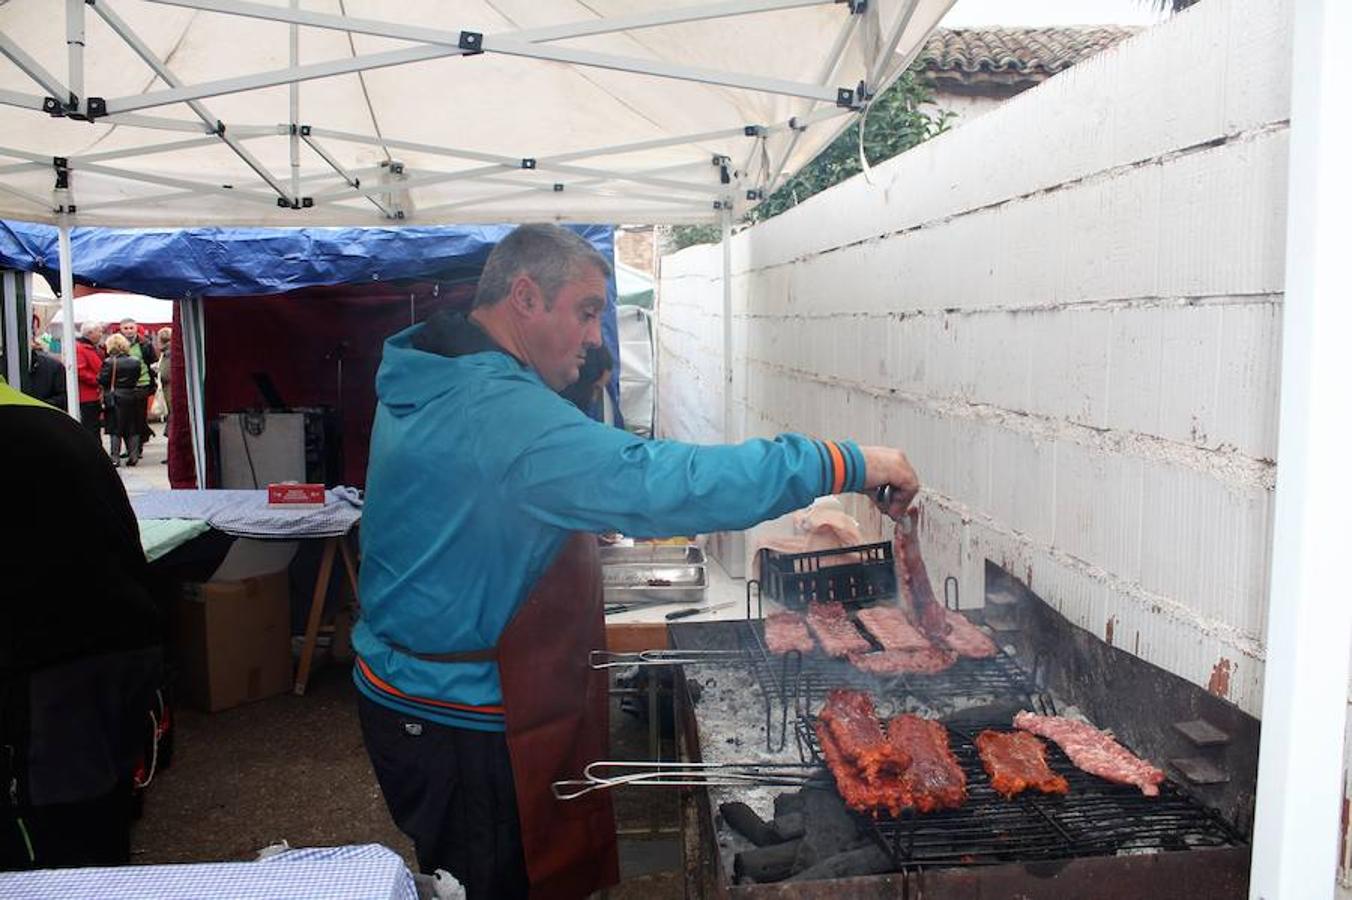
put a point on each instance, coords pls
(247, 514)
(365, 872)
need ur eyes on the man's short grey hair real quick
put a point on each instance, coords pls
(88, 328)
(550, 255)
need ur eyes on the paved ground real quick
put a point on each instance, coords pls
(293, 768)
(150, 474)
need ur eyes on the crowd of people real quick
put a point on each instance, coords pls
(119, 373)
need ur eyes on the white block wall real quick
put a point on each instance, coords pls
(1067, 312)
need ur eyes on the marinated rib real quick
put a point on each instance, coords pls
(1094, 751)
(834, 630)
(933, 780)
(785, 631)
(913, 584)
(891, 628)
(853, 723)
(967, 639)
(1017, 761)
(867, 767)
(853, 789)
(929, 661)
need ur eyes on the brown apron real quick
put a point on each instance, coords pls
(558, 720)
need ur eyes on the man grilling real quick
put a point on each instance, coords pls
(480, 583)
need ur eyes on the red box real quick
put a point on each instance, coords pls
(296, 495)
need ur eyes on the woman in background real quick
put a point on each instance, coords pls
(128, 420)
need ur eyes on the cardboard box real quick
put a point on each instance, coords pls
(233, 641)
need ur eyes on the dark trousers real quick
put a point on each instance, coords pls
(451, 791)
(91, 417)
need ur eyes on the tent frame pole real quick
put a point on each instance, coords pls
(67, 263)
(729, 376)
(1300, 760)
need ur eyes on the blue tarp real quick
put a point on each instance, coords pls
(236, 262)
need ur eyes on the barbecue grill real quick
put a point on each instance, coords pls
(1097, 817)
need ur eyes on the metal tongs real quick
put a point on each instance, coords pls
(692, 774)
(605, 659)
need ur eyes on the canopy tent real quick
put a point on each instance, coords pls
(310, 307)
(327, 112)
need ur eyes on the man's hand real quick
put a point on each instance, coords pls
(886, 466)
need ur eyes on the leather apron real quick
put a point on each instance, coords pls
(558, 721)
(557, 711)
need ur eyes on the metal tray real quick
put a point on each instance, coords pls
(654, 583)
(652, 554)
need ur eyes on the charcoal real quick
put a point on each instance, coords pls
(789, 826)
(828, 828)
(765, 864)
(866, 860)
(789, 802)
(743, 819)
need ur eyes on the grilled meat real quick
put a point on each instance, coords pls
(1017, 761)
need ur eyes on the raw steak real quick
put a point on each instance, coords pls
(785, 631)
(1094, 751)
(1017, 761)
(834, 630)
(891, 628)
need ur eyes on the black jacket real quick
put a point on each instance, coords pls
(47, 379)
(120, 373)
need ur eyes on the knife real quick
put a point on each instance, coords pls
(694, 611)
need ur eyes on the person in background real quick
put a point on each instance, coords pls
(80, 656)
(46, 377)
(142, 350)
(88, 364)
(162, 340)
(588, 391)
(119, 378)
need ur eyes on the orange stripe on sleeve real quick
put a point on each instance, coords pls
(838, 467)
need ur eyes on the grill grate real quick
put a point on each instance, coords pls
(1097, 817)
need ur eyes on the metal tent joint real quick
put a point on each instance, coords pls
(756, 194)
(754, 131)
(845, 98)
(472, 42)
(62, 167)
(296, 202)
(857, 7)
(527, 163)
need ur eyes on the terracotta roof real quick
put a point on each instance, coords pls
(1014, 57)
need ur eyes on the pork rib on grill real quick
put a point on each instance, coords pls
(933, 780)
(913, 584)
(1094, 751)
(927, 661)
(785, 631)
(834, 630)
(852, 721)
(1017, 761)
(891, 628)
(966, 639)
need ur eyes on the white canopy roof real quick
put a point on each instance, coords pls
(111, 306)
(429, 111)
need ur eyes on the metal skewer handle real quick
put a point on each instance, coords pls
(605, 659)
(666, 774)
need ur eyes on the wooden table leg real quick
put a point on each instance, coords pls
(307, 649)
(350, 564)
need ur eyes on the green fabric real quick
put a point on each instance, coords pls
(159, 536)
(142, 380)
(11, 397)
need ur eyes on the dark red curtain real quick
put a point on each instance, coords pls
(299, 340)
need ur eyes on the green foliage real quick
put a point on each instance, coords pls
(895, 123)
